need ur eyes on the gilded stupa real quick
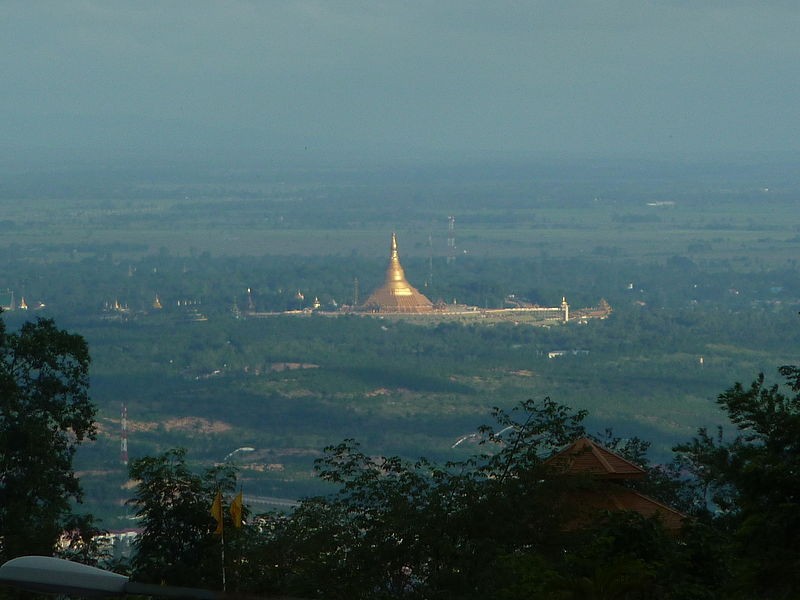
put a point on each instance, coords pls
(396, 295)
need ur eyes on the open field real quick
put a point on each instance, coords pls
(743, 222)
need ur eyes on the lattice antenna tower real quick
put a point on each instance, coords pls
(355, 291)
(451, 239)
(429, 283)
(123, 450)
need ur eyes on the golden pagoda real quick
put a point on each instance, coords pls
(396, 295)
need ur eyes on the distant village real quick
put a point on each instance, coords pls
(396, 299)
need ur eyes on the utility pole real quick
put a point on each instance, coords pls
(123, 451)
(451, 239)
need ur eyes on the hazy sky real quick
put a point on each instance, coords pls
(399, 80)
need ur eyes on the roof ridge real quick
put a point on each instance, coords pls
(602, 448)
(596, 452)
(607, 462)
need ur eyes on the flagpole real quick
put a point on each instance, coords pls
(236, 519)
(222, 541)
(217, 513)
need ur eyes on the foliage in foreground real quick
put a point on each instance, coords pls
(752, 482)
(45, 413)
(173, 507)
(498, 524)
(490, 526)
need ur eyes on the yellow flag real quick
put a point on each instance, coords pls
(236, 510)
(216, 511)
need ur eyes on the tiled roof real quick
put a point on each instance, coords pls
(586, 456)
(614, 497)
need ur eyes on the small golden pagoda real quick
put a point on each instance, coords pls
(396, 295)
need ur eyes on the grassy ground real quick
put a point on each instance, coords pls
(717, 228)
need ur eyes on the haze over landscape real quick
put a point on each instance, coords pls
(596, 205)
(364, 82)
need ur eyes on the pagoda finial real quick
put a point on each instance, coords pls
(396, 294)
(395, 272)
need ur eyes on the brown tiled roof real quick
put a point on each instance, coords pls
(614, 497)
(586, 456)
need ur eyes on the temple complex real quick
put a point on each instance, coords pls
(396, 298)
(396, 295)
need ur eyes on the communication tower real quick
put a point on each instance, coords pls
(451, 239)
(123, 454)
(355, 291)
(429, 283)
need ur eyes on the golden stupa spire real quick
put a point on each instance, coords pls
(395, 273)
(396, 294)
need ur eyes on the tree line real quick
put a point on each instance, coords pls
(81, 287)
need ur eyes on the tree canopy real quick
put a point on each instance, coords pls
(178, 544)
(502, 523)
(494, 525)
(751, 483)
(45, 413)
